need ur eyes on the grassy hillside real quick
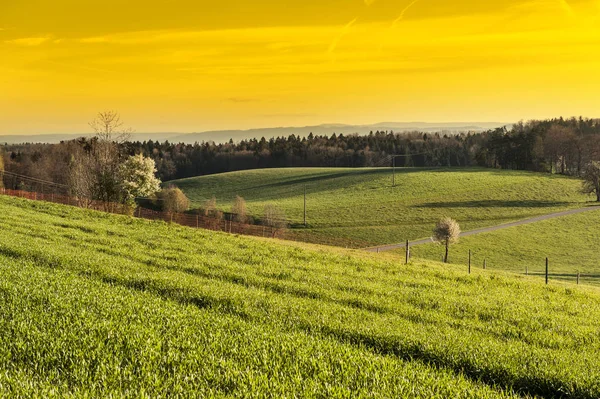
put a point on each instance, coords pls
(360, 208)
(570, 242)
(97, 305)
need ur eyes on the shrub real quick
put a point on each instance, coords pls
(240, 213)
(172, 199)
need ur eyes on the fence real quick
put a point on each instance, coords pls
(546, 272)
(184, 219)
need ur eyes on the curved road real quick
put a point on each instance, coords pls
(391, 247)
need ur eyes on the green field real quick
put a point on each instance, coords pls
(98, 305)
(360, 208)
(570, 243)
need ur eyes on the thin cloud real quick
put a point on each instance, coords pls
(567, 7)
(242, 99)
(78, 66)
(28, 41)
(343, 33)
(397, 21)
(408, 7)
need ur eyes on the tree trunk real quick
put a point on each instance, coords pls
(446, 256)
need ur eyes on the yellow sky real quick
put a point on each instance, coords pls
(185, 65)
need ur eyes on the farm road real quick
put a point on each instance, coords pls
(391, 247)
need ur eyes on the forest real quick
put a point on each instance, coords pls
(559, 145)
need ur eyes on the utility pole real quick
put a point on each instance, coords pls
(305, 205)
(393, 171)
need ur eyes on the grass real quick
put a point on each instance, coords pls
(360, 208)
(570, 243)
(101, 305)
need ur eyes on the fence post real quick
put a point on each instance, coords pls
(578, 275)
(547, 264)
(469, 261)
(407, 252)
(197, 221)
(527, 270)
(484, 264)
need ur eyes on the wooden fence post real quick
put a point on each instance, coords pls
(527, 270)
(578, 275)
(484, 264)
(547, 264)
(469, 261)
(197, 221)
(407, 252)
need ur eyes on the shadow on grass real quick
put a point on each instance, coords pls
(494, 204)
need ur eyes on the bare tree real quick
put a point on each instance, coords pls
(109, 132)
(274, 218)
(447, 231)
(239, 210)
(1, 169)
(108, 127)
(591, 179)
(82, 177)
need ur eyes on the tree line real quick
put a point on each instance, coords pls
(565, 146)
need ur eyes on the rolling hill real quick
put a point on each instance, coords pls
(361, 208)
(223, 136)
(99, 305)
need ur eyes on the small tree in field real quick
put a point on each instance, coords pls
(173, 200)
(591, 179)
(447, 231)
(239, 210)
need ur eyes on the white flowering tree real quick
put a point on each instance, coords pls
(447, 232)
(137, 178)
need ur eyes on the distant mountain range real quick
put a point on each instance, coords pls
(221, 136)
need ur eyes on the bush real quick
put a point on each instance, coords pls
(240, 213)
(172, 199)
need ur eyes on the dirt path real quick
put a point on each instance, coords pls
(391, 247)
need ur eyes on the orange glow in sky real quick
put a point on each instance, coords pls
(187, 65)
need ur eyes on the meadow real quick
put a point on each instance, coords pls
(570, 243)
(361, 208)
(93, 305)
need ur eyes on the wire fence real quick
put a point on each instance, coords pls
(190, 220)
(547, 273)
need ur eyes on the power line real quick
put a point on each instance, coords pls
(35, 179)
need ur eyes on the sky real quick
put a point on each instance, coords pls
(195, 65)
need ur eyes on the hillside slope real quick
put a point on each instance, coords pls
(570, 242)
(360, 207)
(95, 304)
